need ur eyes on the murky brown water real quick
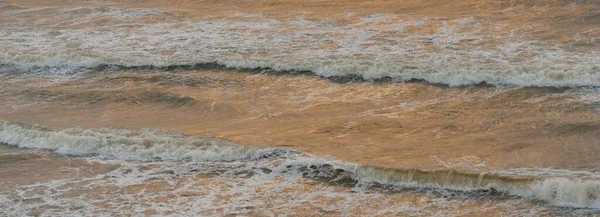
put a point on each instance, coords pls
(186, 108)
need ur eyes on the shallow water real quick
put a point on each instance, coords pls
(151, 108)
(261, 181)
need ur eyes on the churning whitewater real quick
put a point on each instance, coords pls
(457, 52)
(155, 146)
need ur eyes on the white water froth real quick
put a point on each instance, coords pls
(129, 145)
(89, 12)
(567, 192)
(232, 192)
(378, 46)
(560, 189)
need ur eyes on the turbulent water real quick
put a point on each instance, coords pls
(288, 108)
(454, 52)
(245, 177)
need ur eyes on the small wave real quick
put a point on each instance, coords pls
(343, 73)
(360, 51)
(559, 189)
(556, 191)
(131, 145)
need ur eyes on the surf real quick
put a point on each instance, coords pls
(377, 47)
(155, 146)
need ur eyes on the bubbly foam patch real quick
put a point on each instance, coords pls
(252, 188)
(567, 192)
(218, 189)
(454, 52)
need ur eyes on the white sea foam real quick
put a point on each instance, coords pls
(556, 187)
(376, 47)
(568, 192)
(127, 145)
(126, 13)
(232, 192)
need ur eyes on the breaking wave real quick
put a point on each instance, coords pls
(548, 186)
(378, 47)
(511, 75)
(144, 145)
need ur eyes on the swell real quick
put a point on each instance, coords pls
(554, 191)
(147, 145)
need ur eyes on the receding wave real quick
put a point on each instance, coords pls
(148, 145)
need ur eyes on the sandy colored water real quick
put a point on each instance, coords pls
(185, 189)
(299, 108)
(572, 22)
(396, 125)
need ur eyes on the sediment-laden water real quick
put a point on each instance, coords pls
(362, 108)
